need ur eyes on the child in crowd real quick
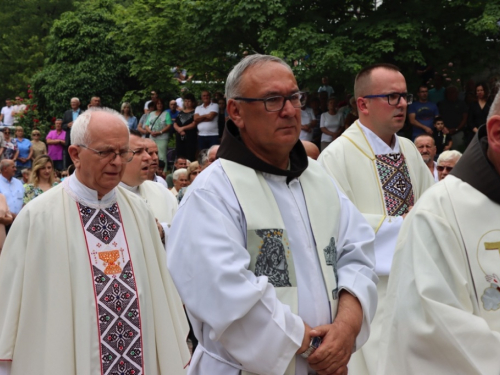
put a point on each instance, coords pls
(443, 141)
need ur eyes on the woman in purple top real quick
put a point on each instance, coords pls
(56, 140)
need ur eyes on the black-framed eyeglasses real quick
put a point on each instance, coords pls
(276, 103)
(393, 98)
(126, 156)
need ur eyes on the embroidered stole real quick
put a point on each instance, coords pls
(267, 239)
(396, 183)
(116, 297)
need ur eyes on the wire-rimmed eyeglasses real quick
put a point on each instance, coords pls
(126, 156)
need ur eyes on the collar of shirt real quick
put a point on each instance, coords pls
(3, 179)
(88, 196)
(475, 168)
(378, 145)
(133, 189)
(232, 148)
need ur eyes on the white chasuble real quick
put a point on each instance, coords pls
(85, 288)
(118, 310)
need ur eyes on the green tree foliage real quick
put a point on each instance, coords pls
(24, 26)
(84, 60)
(334, 37)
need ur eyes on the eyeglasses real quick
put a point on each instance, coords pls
(276, 103)
(126, 156)
(394, 97)
(441, 168)
(139, 151)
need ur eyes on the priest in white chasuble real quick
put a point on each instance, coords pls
(266, 253)
(381, 173)
(443, 299)
(135, 179)
(83, 280)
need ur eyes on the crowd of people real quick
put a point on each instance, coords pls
(295, 234)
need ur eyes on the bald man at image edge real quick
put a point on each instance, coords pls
(382, 174)
(275, 259)
(83, 279)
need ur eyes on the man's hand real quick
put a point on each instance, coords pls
(70, 124)
(306, 340)
(428, 130)
(339, 338)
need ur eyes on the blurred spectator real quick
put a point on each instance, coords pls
(185, 129)
(10, 146)
(154, 98)
(211, 155)
(39, 148)
(5, 219)
(25, 151)
(11, 187)
(353, 113)
(41, 178)
(427, 148)
(222, 116)
(454, 114)
(206, 118)
(158, 125)
(331, 124)
(325, 87)
(446, 162)
(308, 119)
(126, 111)
(141, 126)
(69, 117)
(56, 140)
(95, 101)
(478, 111)
(172, 111)
(6, 114)
(442, 140)
(179, 163)
(312, 151)
(180, 180)
(154, 165)
(25, 175)
(18, 107)
(437, 93)
(422, 112)
(193, 171)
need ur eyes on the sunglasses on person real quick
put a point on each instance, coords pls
(441, 168)
(35, 134)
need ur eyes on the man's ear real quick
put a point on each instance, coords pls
(234, 110)
(73, 153)
(362, 105)
(493, 130)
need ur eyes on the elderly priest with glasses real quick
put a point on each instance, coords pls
(83, 279)
(381, 173)
(278, 276)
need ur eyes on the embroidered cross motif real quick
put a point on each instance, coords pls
(103, 227)
(110, 257)
(396, 184)
(85, 213)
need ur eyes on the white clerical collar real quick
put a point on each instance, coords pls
(378, 145)
(87, 196)
(133, 189)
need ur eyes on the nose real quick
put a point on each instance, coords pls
(288, 109)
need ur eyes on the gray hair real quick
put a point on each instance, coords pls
(178, 172)
(203, 157)
(495, 106)
(75, 98)
(449, 156)
(79, 133)
(5, 163)
(234, 78)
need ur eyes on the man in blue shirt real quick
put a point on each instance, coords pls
(421, 113)
(11, 187)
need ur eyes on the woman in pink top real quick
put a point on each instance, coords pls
(56, 140)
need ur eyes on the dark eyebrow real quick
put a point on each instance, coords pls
(276, 93)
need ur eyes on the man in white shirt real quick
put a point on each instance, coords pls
(277, 255)
(11, 187)
(83, 272)
(381, 173)
(206, 116)
(153, 166)
(6, 115)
